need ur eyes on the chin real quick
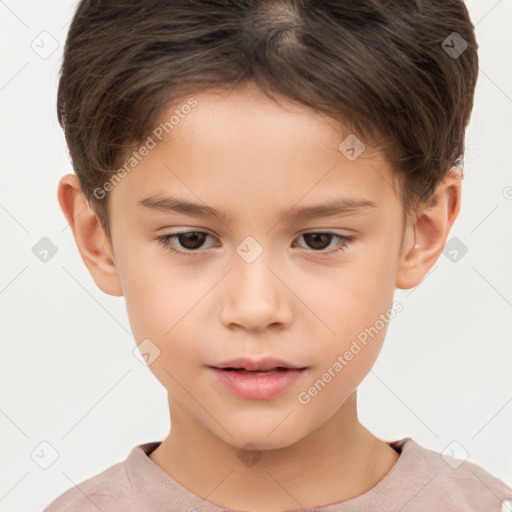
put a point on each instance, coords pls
(262, 438)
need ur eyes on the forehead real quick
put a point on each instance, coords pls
(241, 149)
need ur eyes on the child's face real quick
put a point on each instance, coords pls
(257, 163)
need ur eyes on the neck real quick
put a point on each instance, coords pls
(338, 461)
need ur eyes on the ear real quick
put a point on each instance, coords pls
(89, 236)
(426, 235)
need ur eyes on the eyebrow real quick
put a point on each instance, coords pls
(330, 208)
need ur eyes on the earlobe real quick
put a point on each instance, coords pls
(426, 238)
(89, 236)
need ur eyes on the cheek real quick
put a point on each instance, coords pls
(339, 370)
(156, 294)
(355, 306)
(163, 307)
(353, 296)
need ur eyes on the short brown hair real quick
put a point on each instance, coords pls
(400, 74)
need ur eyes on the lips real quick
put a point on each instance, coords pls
(258, 384)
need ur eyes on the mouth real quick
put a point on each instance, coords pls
(271, 371)
(265, 365)
(257, 383)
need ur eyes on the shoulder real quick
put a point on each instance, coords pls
(446, 482)
(109, 488)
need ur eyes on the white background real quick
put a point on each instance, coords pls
(68, 374)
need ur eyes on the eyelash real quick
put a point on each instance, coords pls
(345, 240)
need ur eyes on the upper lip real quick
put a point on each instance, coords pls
(267, 363)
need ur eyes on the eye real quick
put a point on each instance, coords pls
(318, 241)
(191, 241)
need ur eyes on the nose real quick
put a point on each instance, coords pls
(254, 297)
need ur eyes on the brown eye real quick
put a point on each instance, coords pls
(318, 241)
(187, 243)
(191, 240)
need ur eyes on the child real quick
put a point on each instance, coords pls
(261, 127)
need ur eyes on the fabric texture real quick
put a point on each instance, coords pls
(421, 480)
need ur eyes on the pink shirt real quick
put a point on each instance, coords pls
(420, 481)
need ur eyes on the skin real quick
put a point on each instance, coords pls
(252, 158)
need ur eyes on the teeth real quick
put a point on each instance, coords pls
(258, 372)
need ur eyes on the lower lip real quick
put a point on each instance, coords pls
(258, 387)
